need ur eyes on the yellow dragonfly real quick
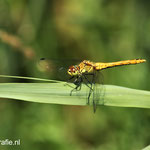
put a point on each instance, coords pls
(87, 68)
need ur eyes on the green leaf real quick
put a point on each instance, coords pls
(146, 148)
(59, 93)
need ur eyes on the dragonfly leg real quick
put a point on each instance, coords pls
(70, 78)
(89, 82)
(72, 91)
(68, 82)
(78, 82)
(88, 102)
(91, 85)
(77, 88)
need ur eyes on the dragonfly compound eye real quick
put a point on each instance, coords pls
(72, 71)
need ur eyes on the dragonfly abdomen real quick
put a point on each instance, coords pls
(100, 66)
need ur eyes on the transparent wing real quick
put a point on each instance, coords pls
(56, 69)
(98, 91)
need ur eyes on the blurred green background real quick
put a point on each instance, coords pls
(99, 30)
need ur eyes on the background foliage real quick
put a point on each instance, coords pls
(72, 29)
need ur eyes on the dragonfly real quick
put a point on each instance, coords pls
(86, 72)
(86, 68)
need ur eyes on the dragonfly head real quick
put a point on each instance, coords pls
(73, 71)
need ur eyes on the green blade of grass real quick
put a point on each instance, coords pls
(29, 78)
(59, 93)
(146, 148)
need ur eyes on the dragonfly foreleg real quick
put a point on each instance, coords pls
(78, 82)
(69, 82)
(77, 88)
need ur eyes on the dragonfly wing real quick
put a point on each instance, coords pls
(54, 68)
(98, 91)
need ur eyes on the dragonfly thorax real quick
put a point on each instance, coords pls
(74, 70)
